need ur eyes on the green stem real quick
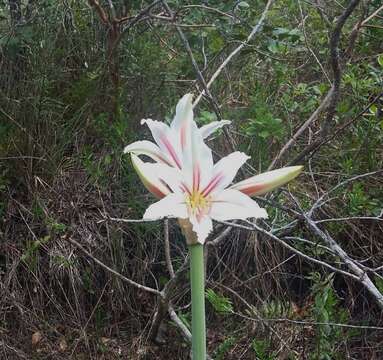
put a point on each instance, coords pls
(198, 302)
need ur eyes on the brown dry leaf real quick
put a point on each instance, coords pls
(36, 338)
(105, 340)
(63, 345)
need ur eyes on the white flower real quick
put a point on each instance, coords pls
(189, 185)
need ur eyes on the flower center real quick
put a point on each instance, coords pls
(198, 204)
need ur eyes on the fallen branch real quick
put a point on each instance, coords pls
(114, 272)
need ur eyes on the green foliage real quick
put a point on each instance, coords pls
(186, 319)
(262, 350)
(274, 309)
(56, 227)
(359, 202)
(283, 40)
(64, 262)
(224, 347)
(205, 117)
(87, 280)
(4, 182)
(263, 124)
(326, 309)
(61, 114)
(221, 304)
(31, 252)
(379, 283)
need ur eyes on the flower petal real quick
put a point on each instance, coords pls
(232, 204)
(224, 172)
(166, 139)
(197, 160)
(209, 129)
(202, 227)
(149, 177)
(173, 205)
(170, 177)
(184, 113)
(147, 148)
(262, 183)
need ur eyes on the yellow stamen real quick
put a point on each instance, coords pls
(198, 203)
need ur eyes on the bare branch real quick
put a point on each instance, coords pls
(254, 227)
(100, 11)
(375, 218)
(167, 249)
(233, 53)
(200, 77)
(164, 301)
(112, 10)
(320, 201)
(313, 323)
(114, 272)
(313, 117)
(222, 236)
(361, 274)
(184, 330)
(331, 100)
(315, 147)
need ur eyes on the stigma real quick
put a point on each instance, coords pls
(198, 204)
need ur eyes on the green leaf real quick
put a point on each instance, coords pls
(380, 60)
(221, 304)
(243, 4)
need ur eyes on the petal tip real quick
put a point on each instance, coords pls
(188, 97)
(145, 121)
(295, 170)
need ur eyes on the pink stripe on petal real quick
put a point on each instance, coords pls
(154, 190)
(251, 190)
(212, 184)
(183, 136)
(162, 159)
(170, 149)
(185, 189)
(196, 177)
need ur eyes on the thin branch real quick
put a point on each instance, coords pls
(308, 45)
(320, 201)
(313, 323)
(222, 236)
(184, 330)
(357, 274)
(108, 218)
(100, 11)
(198, 72)
(114, 272)
(376, 12)
(167, 249)
(112, 10)
(164, 302)
(209, 9)
(313, 117)
(233, 53)
(331, 100)
(374, 218)
(255, 227)
(362, 276)
(314, 148)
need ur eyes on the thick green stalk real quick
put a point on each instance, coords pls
(198, 302)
